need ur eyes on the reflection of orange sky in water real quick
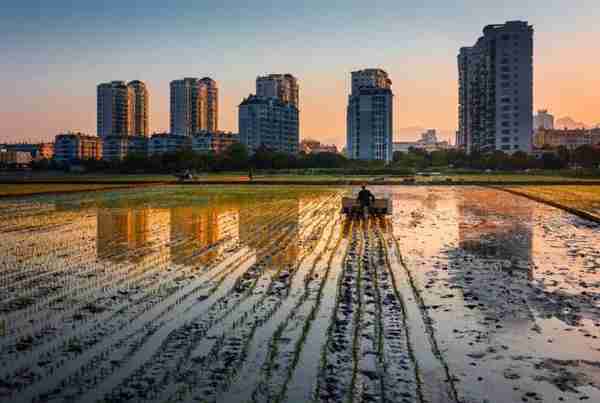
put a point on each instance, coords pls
(489, 214)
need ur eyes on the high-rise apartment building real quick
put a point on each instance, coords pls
(122, 109)
(141, 103)
(281, 86)
(496, 90)
(194, 106)
(211, 108)
(115, 109)
(369, 119)
(543, 120)
(270, 123)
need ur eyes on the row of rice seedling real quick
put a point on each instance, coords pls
(229, 339)
(336, 377)
(259, 369)
(97, 337)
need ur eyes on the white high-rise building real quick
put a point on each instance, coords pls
(194, 106)
(369, 119)
(115, 109)
(543, 120)
(496, 90)
(122, 109)
(281, 86)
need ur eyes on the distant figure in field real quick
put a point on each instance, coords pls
(250, 173)
(365, 198)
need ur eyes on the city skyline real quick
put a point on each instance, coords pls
(416, 45)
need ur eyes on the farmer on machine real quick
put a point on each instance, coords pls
(365, 198)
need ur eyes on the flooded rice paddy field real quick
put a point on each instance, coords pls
(172, 294)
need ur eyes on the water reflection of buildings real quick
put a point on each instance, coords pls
(131, 234)
(492, 263)
(200, 234)
(286, 215)
(494, 226)
(190, 235)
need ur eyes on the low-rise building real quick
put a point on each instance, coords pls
(429, 142)
(201, 143)
(221, 141)
(137, 145)
(404, 146)
(162, 143)
(14, 158)
(569, 138)
(309, 146)
(37, 151)
(116, 148)
(45, 151)
(217, 142)
(70, 147)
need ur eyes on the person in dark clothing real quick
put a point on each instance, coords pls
(365, 198)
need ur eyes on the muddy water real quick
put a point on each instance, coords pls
(263, 295)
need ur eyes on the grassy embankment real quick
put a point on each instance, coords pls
(582, 198)
(307, 176)
(7, 190)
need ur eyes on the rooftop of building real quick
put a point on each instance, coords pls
(370, 70)
(275, 75)
(78, 135)
(253, 99)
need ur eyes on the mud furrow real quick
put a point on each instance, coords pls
(400, 376)
(435, 378)
(337, 372)
(369, 367)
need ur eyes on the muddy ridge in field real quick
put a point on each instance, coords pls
(271, 295)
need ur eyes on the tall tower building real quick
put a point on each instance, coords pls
(210, 94)
(369, 118)
(496, 90)
(115, 109)
(141, 102)
(281, 86)
(543, 120)
(194, 106)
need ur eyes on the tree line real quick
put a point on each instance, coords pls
(237, 158)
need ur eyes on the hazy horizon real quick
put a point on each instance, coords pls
(55, 55)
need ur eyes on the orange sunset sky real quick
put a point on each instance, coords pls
(53, 57)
